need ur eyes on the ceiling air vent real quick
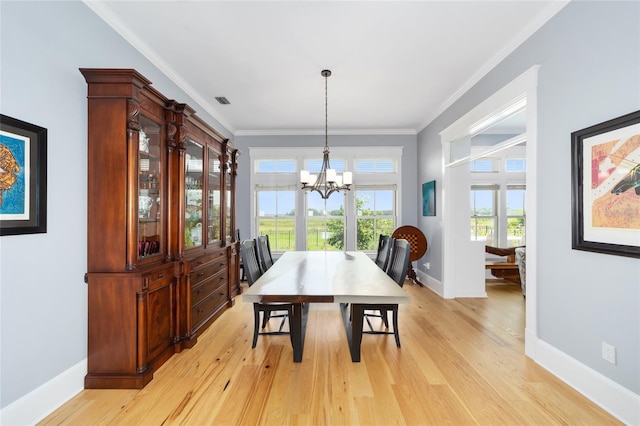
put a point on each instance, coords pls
(222, 100)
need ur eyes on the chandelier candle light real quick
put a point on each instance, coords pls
(328, 180)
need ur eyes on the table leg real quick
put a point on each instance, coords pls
(298, 329)
(353, 326)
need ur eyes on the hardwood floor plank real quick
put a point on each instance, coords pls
(259, 391)
(462, 362)
(371, 412)
(434, 405)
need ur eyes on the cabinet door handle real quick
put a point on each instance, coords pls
(200, 310)
(160, 275)
(201, 290)
(201, 274)
(221, 293)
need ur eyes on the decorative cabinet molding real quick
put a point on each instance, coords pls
(162, 255)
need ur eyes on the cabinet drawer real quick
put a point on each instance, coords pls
(219, 257)
(203, 310)
(204, 289)
(159, 279)
(204, 273)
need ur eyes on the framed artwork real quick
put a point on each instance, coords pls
(429, 198)
(23, 177)
(605, 172)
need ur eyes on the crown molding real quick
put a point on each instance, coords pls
(520, 38)
(100, 8)
(312, 132)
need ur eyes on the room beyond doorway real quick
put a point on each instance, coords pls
(519, 95)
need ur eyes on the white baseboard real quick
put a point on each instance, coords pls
(431, 283)
(437, 287)
(619, 401)
(42, 401)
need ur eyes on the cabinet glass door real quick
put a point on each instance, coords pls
(213, 197)
(149, 188)
(194, 161)
(227, 203)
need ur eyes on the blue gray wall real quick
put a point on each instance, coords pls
(409, 166)
(43, 299)
(589, 57)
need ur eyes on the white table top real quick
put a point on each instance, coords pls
(325, 276)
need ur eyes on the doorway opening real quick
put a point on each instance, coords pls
(473, 137)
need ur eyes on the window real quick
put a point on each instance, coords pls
(325, 222)
(516, 198)
(484, 214)
(375, 215)
(485, 165)
(298, 220)
(314, 166)
(276, 166)
(515, 165)
(276, 212)
(376, 166)
(498, 192)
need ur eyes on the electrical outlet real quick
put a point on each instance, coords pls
(609, 353)
(427, 265)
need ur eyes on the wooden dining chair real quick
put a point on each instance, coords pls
(384, 250)
(249, 253)
(382, 260)
(243, 276)
(264, 253)
(397, 270)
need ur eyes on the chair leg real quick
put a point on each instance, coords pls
(395, 326)
(282, 324)
(368, 322)
(256, 324)
(266, 315)
(385, 319)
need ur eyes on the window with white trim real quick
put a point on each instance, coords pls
(516, 213)
(515, 165)
(276, 216)
(498, 195)
(484, 213)
(375, 215)
(325, 221)
(485, 165)
(348, 220)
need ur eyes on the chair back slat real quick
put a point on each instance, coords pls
(399, 262)
(249, 253)
(384, 250)
(264, 252)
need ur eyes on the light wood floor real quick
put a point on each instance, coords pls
(461, 363)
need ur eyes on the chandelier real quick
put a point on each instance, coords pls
(328, 180)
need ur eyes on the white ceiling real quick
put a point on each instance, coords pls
(396, 65)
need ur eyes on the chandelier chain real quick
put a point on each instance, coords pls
(326, 113)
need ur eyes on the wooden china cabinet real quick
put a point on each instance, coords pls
(162, 260)
(207, 245)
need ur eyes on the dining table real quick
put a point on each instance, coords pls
(349, 278)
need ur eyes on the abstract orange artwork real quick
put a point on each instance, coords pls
(606, 187)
